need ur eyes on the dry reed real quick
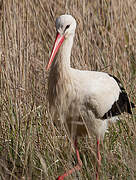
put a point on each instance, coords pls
(31, 147)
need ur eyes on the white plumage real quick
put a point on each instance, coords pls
(81, 99)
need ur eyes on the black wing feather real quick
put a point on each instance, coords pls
(121, 105)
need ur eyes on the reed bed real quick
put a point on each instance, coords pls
(31, 146)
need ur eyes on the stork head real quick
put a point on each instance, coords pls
(65, 27)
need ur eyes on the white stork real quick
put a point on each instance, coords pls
(84, 100)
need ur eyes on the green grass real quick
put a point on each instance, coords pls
(31, 146)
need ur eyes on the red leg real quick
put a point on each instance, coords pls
(98, 159)
(76, 168)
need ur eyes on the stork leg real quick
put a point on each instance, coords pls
(76, 168)
(98, 159)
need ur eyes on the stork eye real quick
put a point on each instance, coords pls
(67, 27)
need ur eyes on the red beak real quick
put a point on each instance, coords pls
(58, 42)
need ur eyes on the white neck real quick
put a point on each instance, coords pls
(62, 62)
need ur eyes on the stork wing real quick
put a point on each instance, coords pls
(122, 104)
(105, 95)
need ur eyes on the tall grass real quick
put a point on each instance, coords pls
(31, 147)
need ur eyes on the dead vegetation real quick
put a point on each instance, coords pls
(31, 147)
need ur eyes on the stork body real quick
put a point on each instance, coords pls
(75, 94)
(84, 100)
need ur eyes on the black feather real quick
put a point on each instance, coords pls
(121, 105)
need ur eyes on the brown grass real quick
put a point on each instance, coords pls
(31, 147)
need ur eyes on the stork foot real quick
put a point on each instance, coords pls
(76, 168)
